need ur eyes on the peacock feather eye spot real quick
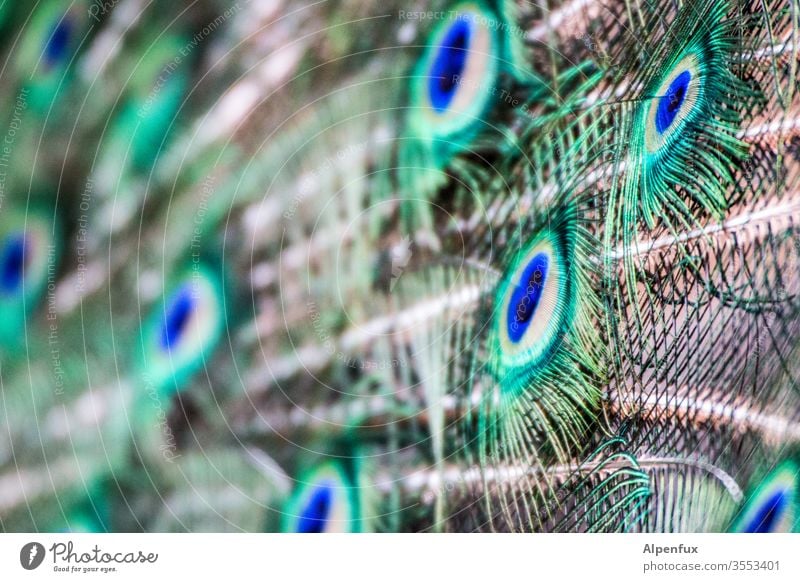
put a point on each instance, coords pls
(13, 259)
(183, 331)
(325, 500)
(534, 306)
(768, 515)
(58, 42)
(772, 507)
(670, 104)
(535, 369)
(452, 83)
(177, 316)
(676, 103)
(29, 252)
(526, 296)
(314, 516)
(449, 64)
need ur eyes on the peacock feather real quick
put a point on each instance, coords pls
(482, 265)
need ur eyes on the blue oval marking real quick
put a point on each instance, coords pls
(670, 104)
(449, 64)
(315, 514)
(12, 263)
(177, 316)
(769, 514)
(59, 41)
(526, 296)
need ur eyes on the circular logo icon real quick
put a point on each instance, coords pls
(31, 555)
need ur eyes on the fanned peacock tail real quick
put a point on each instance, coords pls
(483, 265)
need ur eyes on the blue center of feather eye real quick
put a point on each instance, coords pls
(12, 263)
(177, 316)
(670, 104)
(314, 516)
(768, 514)
(59, 41)
(449, 64)
(526, 296)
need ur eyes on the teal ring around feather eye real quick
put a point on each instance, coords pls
(675, 101)
(325, 501)
(534, 305)
(23, 262)
(47, 51)
(184, 329)
(52, 39)
(457, 74)
(28, 253)
(59, 42)
(15, 252)
(773, 506)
